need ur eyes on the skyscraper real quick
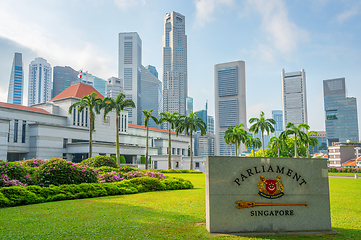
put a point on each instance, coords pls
(39, 81)
(278, 117)
(130, 61)
(175, 89)
(152, 70)
(63, 77)
(100, 85)
(114, 87)
(210, 124)
(294, 100)
(189, 106)
(15, 92)
(230, 101)
(341, 112)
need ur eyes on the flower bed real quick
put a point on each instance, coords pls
(344, 170)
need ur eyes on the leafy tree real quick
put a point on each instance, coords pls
(92, 103)
(191, 124)
(253, 143)
(172, 120)
(109, 104)
(278, 143)
(228, 137)
(147, 117)
(296, 130)
(262, 124)
(310, 141)
(323, 146)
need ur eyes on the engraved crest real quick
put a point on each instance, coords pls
(270, 188)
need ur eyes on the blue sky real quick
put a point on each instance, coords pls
(321, 36)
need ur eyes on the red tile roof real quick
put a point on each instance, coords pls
(350, 163)
(150, 128)
(77, 90)
(21, 107)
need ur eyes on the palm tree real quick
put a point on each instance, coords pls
(93, 104)
(262, 124)
(172, 120)
(118, 105)
(228, 137)
(147, 117)
(191, 124)
(291, 129)
(278, 143)
(311, 141)
(253, 143)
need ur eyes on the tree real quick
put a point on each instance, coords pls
(191, 124)
(253, 143)
(278, 143)
(292, 129)
(118, 104)
(228, 137)
(147, 117)
(172, 120)
(92, 103)
(310, 141)
(262, 124)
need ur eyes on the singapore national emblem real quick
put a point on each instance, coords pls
(270, 188)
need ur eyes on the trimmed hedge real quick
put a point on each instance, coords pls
(16, 196)
(99, 161)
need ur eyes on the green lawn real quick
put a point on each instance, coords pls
(344, 174)
(155, 215)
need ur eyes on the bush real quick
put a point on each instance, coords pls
(134, 174)
(20, 196)
(105, 169)
(176, 183)
(142, 159)
(110, 177)
(33, 163)
(13, 171)
(146, 184)
(125, 169)
(4, 201)
(122, 159)
(99, 161)
(155, 175)
(6, 182)
(58, 171)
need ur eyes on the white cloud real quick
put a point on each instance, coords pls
(283, 34)
(206, 8)
(124, 4)
(346, 15)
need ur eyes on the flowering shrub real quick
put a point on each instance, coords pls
(99, 161)
(344, 170)
(134, 174)
(32, 162)
(126, 168)
(110, 177)
(6, 182)
(13, 171)
(58, 171)
(155, 175)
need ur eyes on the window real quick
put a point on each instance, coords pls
(16, 125)
(23, 132)
(173, 151)
(176, 164)
(197, 165)
(65, 142)
(65, 156)
(331, 115)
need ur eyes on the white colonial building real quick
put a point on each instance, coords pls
(47, 130)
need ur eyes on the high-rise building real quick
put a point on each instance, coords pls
(130, 61)
(152, 70)
(322, 143)
(63, 77)
(189, 106)
(294, 100)
(149, 94)
(15, 92)
(39, 81)
(100, 85)
(175, 83)
(114, 87)
(278, 117)
(204, 145)
(341, 112)
(210, 124)
(230, 101)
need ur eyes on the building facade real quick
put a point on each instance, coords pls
(210, 124)
(129, 67)
(322, 143)
(15, 92)
(294, 100)
(100, 85)
(278, 117)
(152, 70)
(204, 145)
(40, 83)
(230, 102)
(63, 77)
(340, 112)
(114, 87)
(189, 106)
(175, 77)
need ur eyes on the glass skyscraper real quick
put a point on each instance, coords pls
(278, 117)
(340, 112)
(63, 77)
(15, 92)
(189, 107)
(39, 81)
(175, 83)
(152, 70)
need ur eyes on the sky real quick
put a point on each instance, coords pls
(323, 37)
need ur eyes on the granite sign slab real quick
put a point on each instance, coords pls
(267, 195)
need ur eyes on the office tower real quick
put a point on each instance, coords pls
(294, 100)
(87, 78)
(210, 124)
(204, 145)
(175, 82)
(189, 106)
(39, 81)
(63, 77)
(114, 87)
(230, 102)
(100, 85)
(152, 70)
(130, 61)
(278, 117)
(322, 143)
(341, 112)
(15, 92)
(149, 95)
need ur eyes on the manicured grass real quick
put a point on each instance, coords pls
(344, 174)
(155, 215)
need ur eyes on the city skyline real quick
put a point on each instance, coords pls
(321, 37)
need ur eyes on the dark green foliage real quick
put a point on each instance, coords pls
(58, 171)
(142, 160)
(173, 171)
(127, 169)
(105, 169)
(4, 201)
(99, 161)
(146, 184)
(176, 183)
(93, 189)
(150, 160)
(122, 159)
(20, 196)
(13, 170)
